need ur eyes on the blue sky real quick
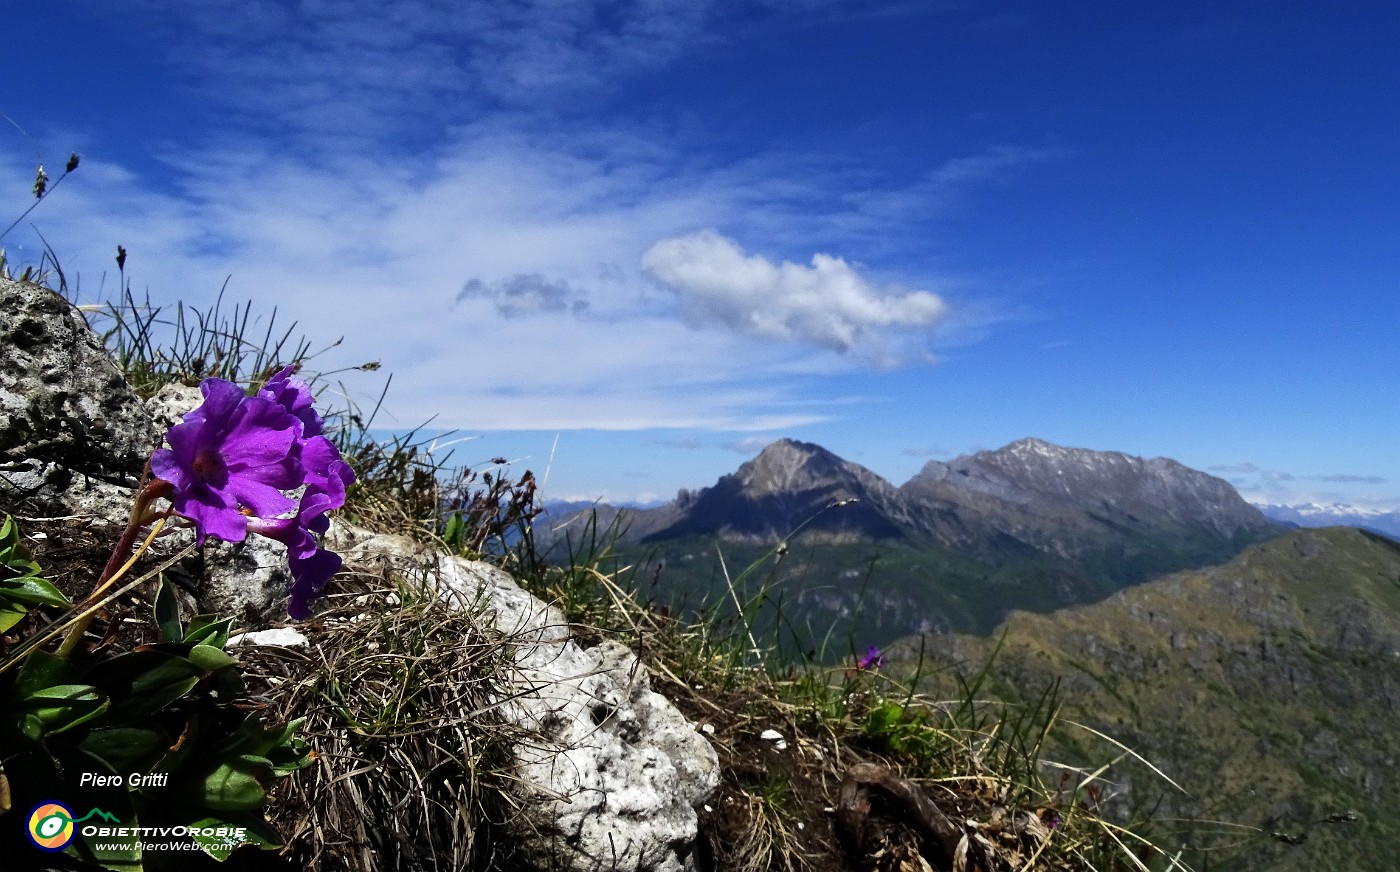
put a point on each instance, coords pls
(634, 241)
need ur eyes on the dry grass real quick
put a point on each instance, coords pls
(399, 691)
(978, 762)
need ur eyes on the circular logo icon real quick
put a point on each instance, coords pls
(51, 826)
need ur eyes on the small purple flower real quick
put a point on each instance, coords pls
(873, 659)
(311, 565)
(294, 395)
(229, 458)
(323, 465)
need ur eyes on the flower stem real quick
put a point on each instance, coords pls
(119, 564)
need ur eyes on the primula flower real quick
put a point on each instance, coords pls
(230, 459)
(231, 456)
(311, 565)
(294, 395)
(873, 659)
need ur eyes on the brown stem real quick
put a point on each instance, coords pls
(136, 522)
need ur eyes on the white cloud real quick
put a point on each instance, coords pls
(828, 304)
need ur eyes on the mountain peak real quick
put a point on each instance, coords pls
(1032, 445)
(792, 485)
(1079, 489)
(788, 465)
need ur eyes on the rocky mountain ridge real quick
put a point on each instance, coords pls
(1049, 498)
(1029, 526)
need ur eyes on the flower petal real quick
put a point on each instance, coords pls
(309, 577)
(295, 396)
(263, 500)
(260, 433)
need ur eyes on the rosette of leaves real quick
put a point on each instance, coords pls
(152, 737)
(21, 588)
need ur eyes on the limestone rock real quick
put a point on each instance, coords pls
(615, 778)
(168, 407)
(69, 422)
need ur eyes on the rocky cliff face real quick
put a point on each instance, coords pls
(792, 485)
(1066, 502)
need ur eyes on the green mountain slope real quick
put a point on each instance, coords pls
(1269, 687)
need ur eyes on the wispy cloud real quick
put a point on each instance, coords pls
(1264, 485)
(748, 445)
(434, 189)
(922, 451)
(1353, 479)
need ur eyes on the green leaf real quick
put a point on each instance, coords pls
(211, 659)
(167, 613)
(33, 590)
(127, 749)
(30, 726)
(455, 534)
(64, 706)
(236, 784)
(11, 614)
(256, 832)
(9, 538)
(13, 554)
(40, 670)
(145, 681)
(209, 630)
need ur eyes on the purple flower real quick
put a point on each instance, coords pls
(873, 659)
(229, 458)
(294, 395)
(311, 565)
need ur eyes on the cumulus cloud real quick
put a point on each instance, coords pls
(828, 304)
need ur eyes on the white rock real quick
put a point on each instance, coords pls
(615, 773)
(282, 637)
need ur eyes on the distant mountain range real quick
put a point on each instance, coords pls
(1256, 663)
(1029, 526)
(1383, 521)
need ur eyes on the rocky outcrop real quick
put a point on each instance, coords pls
(614, 777)
(70, 425)
(1069, 502)
(789, 486)
(612, 772)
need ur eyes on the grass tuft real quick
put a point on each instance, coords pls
(399, 691)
